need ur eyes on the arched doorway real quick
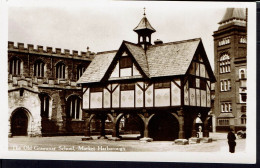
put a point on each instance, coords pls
(19, 123)
(163, 127)
(130, 126)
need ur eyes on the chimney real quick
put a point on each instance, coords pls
(10, 44)
(158, 41)
(49, 49)
(58, 51)
(30, 47)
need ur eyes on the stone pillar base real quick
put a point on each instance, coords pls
(86, 138)
(181, 142)
(146, 139)
(194, 140)
(102, 137)
(206, 140)
(114, 139)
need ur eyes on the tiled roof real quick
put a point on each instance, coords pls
(144, 24)
(234, 13)
(170, 59)
(167, 59)
(138, 53)
(98, 67)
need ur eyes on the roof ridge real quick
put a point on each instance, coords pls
(177, 42)
(103, 52)
(131, 43)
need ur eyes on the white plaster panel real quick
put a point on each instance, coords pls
(197, 69)
(115, 72)
(127, 98)
(198, 97)
(202, 70)
(96, 100)
(178, 81)
(192, 97)
(107, 101)
(203, 98)
(86, 99)
(162, 97)
(149, 97)
(126, 72)
(115, 98)
(176, 95)
(135, 71)
(139, 95)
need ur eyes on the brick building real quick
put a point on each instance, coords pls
(230, 45)
(42, 92)
(165, 87)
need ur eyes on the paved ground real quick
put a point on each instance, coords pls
(74, 143)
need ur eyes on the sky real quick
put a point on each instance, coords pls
(102, 26)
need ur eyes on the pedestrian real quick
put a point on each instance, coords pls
(231, 141)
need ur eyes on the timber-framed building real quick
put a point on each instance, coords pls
(166, 86)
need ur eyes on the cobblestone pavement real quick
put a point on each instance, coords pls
(74, 143)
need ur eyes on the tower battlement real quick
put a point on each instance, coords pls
(49, 51)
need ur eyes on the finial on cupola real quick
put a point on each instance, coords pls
(144, 31)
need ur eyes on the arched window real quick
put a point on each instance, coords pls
(74, 107)
(39, 68)
(243, 119)
(60, 70)
(80, 71)
(15, 66)
(242, 74)
(224, 63)
(45, 104)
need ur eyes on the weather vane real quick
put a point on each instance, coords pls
(144, 11)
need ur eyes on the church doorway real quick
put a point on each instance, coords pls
(163, 127)
(19, 123)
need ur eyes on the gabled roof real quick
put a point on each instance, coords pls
(234, 13)
(170, 59)
(139, 54)
(98, 67)
(144, 24)
(167, 59)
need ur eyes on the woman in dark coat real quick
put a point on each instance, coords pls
(231, 141)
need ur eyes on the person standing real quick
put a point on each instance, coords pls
(231, 141)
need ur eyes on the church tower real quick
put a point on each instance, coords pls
(230, 57)
(144, 31)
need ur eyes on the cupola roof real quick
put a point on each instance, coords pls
(144, 25)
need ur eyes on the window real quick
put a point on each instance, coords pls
(45, 99)
(39, 68)
(60, 70)
(226, 107)
(74, 107)
(224, 64)
(243, 119)
(126, 62)
(224, 41)
(124, 87)
(225, 85)
(15, 66)
(161, 85)
(243, 108)
(242, 40)
(242, 74)
(80, 71)
(96, 89)
(223, 122)
(243, 97)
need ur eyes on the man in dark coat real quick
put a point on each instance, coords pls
(231, 141)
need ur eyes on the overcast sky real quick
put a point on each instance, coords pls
(103, 26)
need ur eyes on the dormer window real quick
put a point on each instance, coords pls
(126, 62)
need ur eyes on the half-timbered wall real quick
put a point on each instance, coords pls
(197, 85)
(133, 95)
